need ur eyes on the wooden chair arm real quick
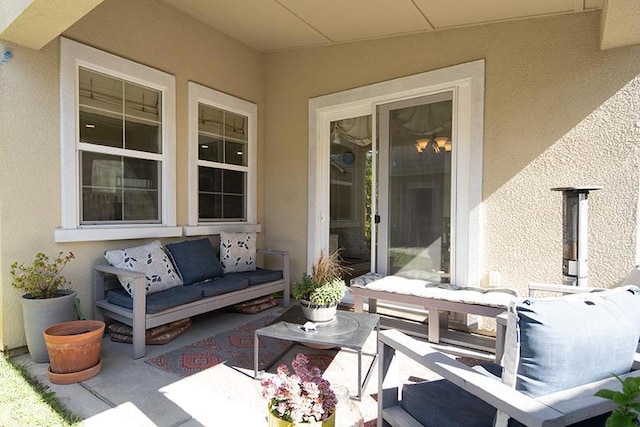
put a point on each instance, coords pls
(528, 411)
(562, 289)
(139, 292)
(104, 268)
(272, 251)
(286, 293)
(561, 408)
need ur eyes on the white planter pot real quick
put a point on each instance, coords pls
(318, 313)
(39, 314)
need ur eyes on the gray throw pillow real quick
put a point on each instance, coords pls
(554, 344)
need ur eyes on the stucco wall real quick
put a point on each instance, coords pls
(558, 111)
(146, 31)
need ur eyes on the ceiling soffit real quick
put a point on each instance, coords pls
(274, 25)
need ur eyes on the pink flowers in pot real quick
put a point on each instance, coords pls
(302, 397)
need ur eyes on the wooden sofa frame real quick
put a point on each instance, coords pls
(437, 309)
(557, 409)
(140, 320)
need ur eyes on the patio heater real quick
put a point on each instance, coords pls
(575, 248)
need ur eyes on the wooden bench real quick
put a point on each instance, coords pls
(140, 320)
(437, 301)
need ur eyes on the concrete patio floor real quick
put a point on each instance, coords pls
(130, 392)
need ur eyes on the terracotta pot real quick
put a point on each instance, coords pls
(279, 422)
(74, 347)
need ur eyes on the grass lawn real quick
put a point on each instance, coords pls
(25, 402)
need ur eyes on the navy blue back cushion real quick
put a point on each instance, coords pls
(195, 260)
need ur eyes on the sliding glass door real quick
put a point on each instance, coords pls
(416, 145)
(350, 190)
(411, 198)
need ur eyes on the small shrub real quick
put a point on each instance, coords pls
(42, 278)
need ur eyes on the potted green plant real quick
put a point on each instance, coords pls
(47, 299)
(627, 412)
(320, 292)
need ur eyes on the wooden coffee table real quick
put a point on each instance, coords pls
(346, 330)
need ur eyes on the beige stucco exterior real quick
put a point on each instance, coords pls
(558, 111)
(145, 31)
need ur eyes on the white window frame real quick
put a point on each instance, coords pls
(466, 81)
(72, 56)
(199, 94)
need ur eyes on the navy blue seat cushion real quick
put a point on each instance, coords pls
(441, 403)
(221, 285)
(158, 301)
(195, 260)
(259, 275)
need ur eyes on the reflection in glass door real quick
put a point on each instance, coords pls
(350, 193)
(415, 187)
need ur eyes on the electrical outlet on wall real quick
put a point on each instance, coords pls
(495, 278)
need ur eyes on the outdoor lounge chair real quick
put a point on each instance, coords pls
(558, 353)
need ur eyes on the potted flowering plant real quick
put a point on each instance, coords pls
(304, 398)
(47, 299)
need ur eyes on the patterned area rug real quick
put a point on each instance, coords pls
(235, 349)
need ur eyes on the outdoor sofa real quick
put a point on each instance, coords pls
(148, 286)
(559, 351)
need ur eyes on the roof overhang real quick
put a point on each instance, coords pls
(619, 23)
(35, 23)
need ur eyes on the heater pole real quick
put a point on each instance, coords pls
(575, 234)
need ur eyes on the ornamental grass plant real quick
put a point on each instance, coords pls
(325, 285)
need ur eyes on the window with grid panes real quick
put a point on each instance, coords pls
(222, 164)
(117, 130)
(120, 150)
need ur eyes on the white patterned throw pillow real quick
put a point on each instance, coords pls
(238, 252)
(149, 259)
